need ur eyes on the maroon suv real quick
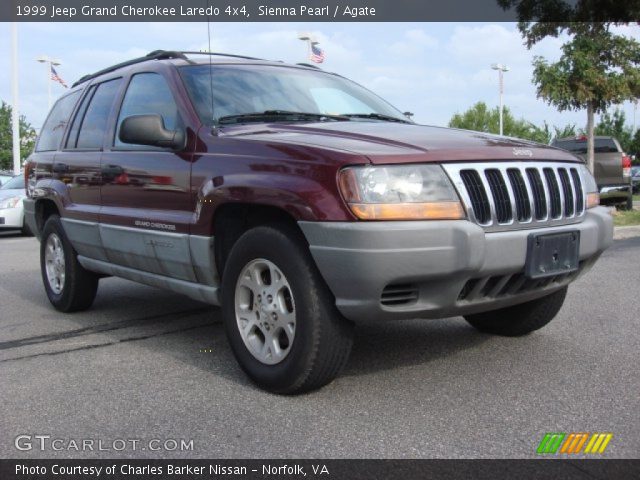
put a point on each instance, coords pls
(302, 204)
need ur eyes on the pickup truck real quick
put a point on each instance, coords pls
(612, 167)
(303, 205)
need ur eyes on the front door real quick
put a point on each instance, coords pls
(146, 200)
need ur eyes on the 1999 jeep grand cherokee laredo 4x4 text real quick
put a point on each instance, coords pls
(302, 204)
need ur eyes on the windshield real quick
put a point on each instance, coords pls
(244, 89)
(15, 183)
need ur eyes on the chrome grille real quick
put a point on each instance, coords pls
(477, 195)
(510, 195)
(554, 192)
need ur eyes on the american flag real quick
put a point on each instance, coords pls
(317, 54)
(56, 78)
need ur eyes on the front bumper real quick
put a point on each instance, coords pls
(435, 269)
(11, 218)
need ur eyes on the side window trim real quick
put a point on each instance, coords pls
(79, 114)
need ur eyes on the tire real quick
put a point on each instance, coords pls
(321, 337)
(69, 287)
(520, 319)
(630, 200)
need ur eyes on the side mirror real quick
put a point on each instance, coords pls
(149, 130)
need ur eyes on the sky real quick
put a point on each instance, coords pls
(431, 69)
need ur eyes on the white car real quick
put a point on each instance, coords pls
(4, 178)
(12, 193)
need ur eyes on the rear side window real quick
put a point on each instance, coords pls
(89, 126)
(56, 123)
(579, 145)
(148, 93)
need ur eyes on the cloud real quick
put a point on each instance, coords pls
(413, 43)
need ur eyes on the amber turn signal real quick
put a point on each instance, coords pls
(408, 211)
(593, 199)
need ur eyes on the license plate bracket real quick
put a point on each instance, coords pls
(550, 254)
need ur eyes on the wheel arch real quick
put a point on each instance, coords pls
(231, 220)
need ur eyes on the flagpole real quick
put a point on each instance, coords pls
(15, 120)
(306, 37)
(49, 62)
(49, 84)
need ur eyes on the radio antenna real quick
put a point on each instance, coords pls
(213, 117)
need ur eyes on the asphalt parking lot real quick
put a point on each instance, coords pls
(147, 364)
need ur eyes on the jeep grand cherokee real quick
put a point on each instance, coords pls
(302, 204)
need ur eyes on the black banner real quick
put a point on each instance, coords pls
(309, 10)
(318, 469)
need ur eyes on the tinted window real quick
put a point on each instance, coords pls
(56, 123)
(579, 145)
(72, 138)
(148, 93)
(94, 122)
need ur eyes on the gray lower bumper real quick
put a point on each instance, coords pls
(445, 268)
(30, 215)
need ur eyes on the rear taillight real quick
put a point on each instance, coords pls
(626, 166)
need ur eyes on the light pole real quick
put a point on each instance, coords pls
(635, 107)
(50, 62)
(501, 69)
(307, 37)
(15, 119)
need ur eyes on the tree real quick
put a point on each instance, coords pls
(594, 71)
(566, 131)
(27, 137)
(597, 68)
(634, 147)
(481, 119)
(614, 125)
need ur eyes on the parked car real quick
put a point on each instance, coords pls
(612, 167)
(635, 179)
(12, 194)
(301, 203)
(5, 177)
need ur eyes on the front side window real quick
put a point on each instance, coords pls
(246, 89)
(93, 117)
(148, 93)
(56, 123)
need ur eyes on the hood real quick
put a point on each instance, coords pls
(14, 192)
(387, 142)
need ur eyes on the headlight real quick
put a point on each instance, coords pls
(402, 192)
(10, 202)
(590, 187)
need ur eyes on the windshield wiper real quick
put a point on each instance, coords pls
(278, 116)
(376, 116)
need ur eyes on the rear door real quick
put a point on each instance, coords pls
(146, 199)
(77, 165)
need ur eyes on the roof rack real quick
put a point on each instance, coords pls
(217, 54)
(157, 55)
(309, 65)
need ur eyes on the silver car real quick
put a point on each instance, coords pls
(12, 193)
